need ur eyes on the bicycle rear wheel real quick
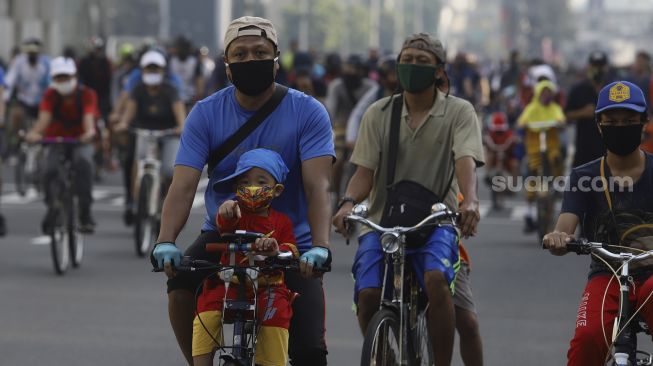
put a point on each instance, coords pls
(381, 345)
(544, 215)
(60, 249)
(145, 225)
(20, 176)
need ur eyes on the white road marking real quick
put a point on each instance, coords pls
(40, 240)
(199, 200)
(14, 198)
(518, 213)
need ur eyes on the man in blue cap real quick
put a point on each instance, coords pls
(298, 128)
(611, 198)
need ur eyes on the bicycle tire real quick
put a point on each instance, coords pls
(544, 216)
(59, 249)
(75, 238)
(20, 176)
(421, 348)
(383, 330)
(144, 225)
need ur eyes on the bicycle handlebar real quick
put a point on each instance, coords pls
(543, 125)
(152, 133)
(583, 246)
(60, 140)
(440, 215)
(282, 261)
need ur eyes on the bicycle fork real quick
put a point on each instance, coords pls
(624, 344)
(398, 286)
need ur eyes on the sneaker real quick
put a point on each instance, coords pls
(87, 224)
(3, 226)
(128, 216)
(529, 225)
(49, 222)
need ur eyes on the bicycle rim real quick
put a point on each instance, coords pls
(544, 210)
(144, 226)
(75, 238)
(60, 250)
(381, 345)
(423, 350)
(19, 174)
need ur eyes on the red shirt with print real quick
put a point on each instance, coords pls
(66, 118)
(278, 226)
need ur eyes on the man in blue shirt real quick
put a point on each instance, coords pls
(300, 131)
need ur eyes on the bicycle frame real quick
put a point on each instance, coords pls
(398, 301)
(405, 300)
(150, 164)
(624, 339)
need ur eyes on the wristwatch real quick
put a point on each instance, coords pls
(344, 200)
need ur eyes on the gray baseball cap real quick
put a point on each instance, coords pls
(423, 41)
(250, 26)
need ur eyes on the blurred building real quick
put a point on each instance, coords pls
(617, 27)
(61, 23)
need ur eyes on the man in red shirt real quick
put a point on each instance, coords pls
(68, 110)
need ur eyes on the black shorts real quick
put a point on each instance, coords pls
(307, 341)
(31, 111)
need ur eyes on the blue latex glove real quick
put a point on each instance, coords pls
(165, 252)
(318, 257)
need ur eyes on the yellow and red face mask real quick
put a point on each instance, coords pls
(255, 198)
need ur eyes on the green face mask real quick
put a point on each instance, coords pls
(416, 78)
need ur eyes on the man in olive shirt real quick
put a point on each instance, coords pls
(439, 135)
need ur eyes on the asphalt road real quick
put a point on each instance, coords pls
(112, 310)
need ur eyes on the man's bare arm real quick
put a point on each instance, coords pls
(316, 175)
(178, 202)
(358, 188)
(466, 177)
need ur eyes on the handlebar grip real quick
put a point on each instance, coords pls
(579, 247)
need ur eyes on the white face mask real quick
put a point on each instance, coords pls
(65, 87)
(152, 78)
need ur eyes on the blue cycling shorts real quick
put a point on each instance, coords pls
(439, 253)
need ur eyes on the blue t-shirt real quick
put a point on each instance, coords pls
(299, 129)
(134, 78)
(2, 77)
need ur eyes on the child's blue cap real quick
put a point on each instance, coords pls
(621, 94)
(265, 159)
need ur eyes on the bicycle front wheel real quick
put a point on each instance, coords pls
(60, 249)
(75, 238)
(145, 225)
(381, 345)
(422, 350)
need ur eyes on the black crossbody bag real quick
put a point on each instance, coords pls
(247, 128)
(407, 202)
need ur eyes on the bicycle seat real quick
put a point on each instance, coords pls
(240, 236)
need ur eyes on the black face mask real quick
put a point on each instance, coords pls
(622, 140)
(32, 58)
(252, 77)
(352, 81)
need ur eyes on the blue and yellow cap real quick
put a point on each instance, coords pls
(265, 159)
(621, 94)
